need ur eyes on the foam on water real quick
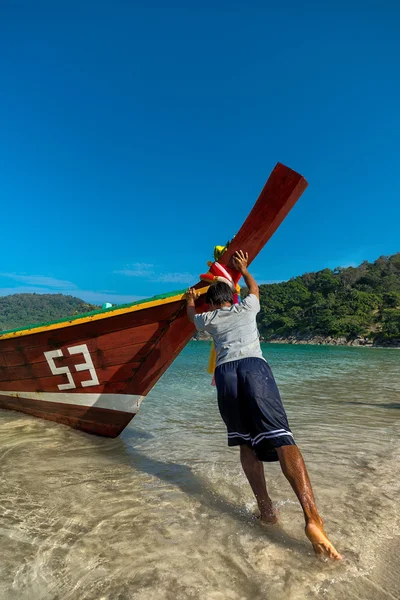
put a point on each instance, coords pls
(165, 511)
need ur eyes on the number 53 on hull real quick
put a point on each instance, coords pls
(92, 371)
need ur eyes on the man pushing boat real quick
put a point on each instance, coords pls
(250, 403)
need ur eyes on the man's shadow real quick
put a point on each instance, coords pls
(191, 484)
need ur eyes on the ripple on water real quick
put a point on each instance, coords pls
(165, 512)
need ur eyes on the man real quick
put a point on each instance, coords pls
(249, 400)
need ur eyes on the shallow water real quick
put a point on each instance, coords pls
(164, 512)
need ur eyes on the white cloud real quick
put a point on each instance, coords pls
(137, 270)
(148, 272)
(38, 284)
(143, 265)
(40, 280)
(176, 278)
(134, 273)
(25, 290)
(91, 296)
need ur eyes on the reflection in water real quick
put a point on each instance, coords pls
(165, 512)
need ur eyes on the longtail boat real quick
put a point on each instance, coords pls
(92, 371)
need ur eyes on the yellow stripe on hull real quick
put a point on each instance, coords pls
(99, 316)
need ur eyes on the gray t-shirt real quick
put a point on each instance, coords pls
(233, 329)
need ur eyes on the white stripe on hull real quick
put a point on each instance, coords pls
(123, 402)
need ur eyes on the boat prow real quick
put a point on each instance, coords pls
(92, 371)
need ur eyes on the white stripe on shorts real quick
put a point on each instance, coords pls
(269, 433)
(266, 436)
(245, 436)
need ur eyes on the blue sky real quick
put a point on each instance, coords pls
(136, 136)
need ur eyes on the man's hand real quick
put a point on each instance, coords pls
(240, 260)
(191, 296)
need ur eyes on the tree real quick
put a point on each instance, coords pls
(347, 302)
(21, 310)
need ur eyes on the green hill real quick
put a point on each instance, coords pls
(344, 302)
(20, 310)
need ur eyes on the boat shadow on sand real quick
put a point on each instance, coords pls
(183, 477)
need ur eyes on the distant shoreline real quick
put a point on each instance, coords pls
(316, 340)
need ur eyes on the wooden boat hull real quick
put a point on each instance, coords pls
(91, 372)
(84, 374)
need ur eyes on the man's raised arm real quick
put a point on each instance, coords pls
(240, 260)
(191, 296)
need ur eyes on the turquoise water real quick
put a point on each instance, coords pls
(164, 512)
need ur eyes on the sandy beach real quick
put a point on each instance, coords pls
(164, 512)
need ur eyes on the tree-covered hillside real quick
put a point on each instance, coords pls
(350, 302)
(20, 310)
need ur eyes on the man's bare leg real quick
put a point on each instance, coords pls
(295, 471)
(254, 471)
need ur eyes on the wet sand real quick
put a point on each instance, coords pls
(165, 512)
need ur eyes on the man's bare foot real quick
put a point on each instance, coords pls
(320, 542)
(269, 514)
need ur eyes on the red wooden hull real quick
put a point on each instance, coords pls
(92, 372)
(100, 421)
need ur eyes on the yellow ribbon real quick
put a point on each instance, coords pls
(212, 361)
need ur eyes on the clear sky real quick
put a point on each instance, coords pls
(135, 136)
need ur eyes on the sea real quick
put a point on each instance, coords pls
(164, 512)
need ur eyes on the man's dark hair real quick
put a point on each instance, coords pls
(219, 293)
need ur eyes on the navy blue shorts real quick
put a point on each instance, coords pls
(251, 407)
